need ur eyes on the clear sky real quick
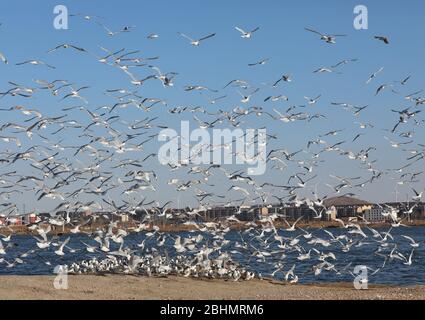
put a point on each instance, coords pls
(27, 33)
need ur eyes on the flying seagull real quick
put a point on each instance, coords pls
(373, 75)
(329, 38)
(383, 39)
(246, 34)
(35, 63)
(153, 36)
(66, 46)
(261, 62)
(198, 41)
(3, 58)
(285, 77)
(312, 100)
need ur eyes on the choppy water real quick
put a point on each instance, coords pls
(395, 272)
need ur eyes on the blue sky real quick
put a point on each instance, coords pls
(27, 33)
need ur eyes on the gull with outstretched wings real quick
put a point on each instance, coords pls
(328, 38)
(246, 34)
(196, 42)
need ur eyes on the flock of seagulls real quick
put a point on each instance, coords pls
(84, 157)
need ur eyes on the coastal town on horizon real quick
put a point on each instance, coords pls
(334, 209)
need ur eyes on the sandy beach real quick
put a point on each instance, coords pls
(178, 288)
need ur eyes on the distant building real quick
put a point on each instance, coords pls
(247, 213)
(374, 214)
(30, 218)
(264, 211)
(331, 213)
(347, 206)
(343, 207)
(15, 221)
(218, 213)
(292, 211)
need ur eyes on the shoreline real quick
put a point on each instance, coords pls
(23, 230)
(95, 287)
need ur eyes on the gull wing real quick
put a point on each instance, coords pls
(185, 36)
(314, 31)
(240, 30)
(208, 36)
